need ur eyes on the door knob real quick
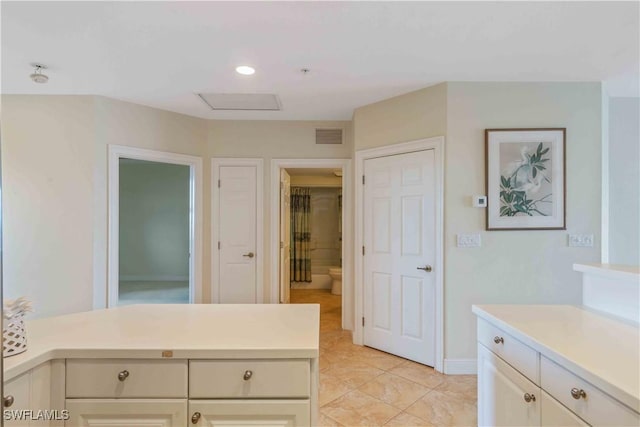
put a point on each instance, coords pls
(426, 268)
(249, 255)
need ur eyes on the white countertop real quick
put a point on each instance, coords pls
(196, 331)
(602, 350)
(613, 271)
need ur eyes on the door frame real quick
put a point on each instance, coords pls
(437, 144)
(116, 152)
(347, 233)
(216, 162)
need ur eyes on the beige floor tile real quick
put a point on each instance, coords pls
(359, 409)
(331, 388)
(418, 373)
(326, 421)
(345, 366)
(380, 359)
(407, 420)
(439, 409)
(464, 386)
(394, 390)
(353, 372)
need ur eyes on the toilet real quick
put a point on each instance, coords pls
(336, 280)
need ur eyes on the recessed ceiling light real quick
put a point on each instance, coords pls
(245, 70)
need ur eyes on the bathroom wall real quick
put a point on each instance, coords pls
(325, 230)
(325, 233)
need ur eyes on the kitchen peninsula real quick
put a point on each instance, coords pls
(171, 365)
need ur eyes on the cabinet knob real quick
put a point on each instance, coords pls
(578, 393)
(498, 340)
(8, 401)
(123, 375)
(529, 398)
(195, 417)
(247, 375)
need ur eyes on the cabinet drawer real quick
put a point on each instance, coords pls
(249, 378)
(514, 352)
(134, 378)
(595, 407)
(554, 414)
(282, 413)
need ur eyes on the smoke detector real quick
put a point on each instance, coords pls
(38, 76)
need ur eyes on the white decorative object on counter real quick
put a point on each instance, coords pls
(14, 334)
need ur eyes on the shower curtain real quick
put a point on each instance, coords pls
(300, 234)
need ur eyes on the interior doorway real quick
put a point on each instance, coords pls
(154, 213)
(310, 237)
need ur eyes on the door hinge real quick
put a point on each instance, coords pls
(219, 183)
(281, 245)
(218, 245)
(363, 321)
(363, 250)
(281, 185)
(362, 179)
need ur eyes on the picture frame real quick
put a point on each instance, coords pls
(525, 179)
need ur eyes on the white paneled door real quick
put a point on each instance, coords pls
(237, 233)
(400, 245)
(285, 236)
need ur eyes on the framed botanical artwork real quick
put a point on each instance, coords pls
(525, 179)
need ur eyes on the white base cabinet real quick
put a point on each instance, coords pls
(519, 386)
(127, 412)
(505, 396)
(235, 413)
(179, 393)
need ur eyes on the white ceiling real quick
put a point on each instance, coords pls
(162, 53)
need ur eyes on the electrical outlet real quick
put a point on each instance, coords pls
(581, 240)
(469, 240)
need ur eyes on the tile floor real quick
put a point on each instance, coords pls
(360, 386)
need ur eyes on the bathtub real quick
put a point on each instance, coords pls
(320, 279)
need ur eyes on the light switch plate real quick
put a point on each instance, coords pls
(581, 240)
(469, 240)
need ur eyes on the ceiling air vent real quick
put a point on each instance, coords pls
(328, 136)
(241, 101)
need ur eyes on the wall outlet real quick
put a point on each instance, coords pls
(581, 240)
(469, 240)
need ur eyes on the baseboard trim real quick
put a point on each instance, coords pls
(154, 278)
(460, 366)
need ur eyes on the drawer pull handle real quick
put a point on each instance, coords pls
(578, 393)
(529, 398)
(247, 375)
(195, 417)
(498, 340)
(8, 401)
(123, 375)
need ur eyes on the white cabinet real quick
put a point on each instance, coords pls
(127, 412)
(234, 413)
(520, 386)
(156, 393)
(506, 397)
(555, 415)
(30, 391)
